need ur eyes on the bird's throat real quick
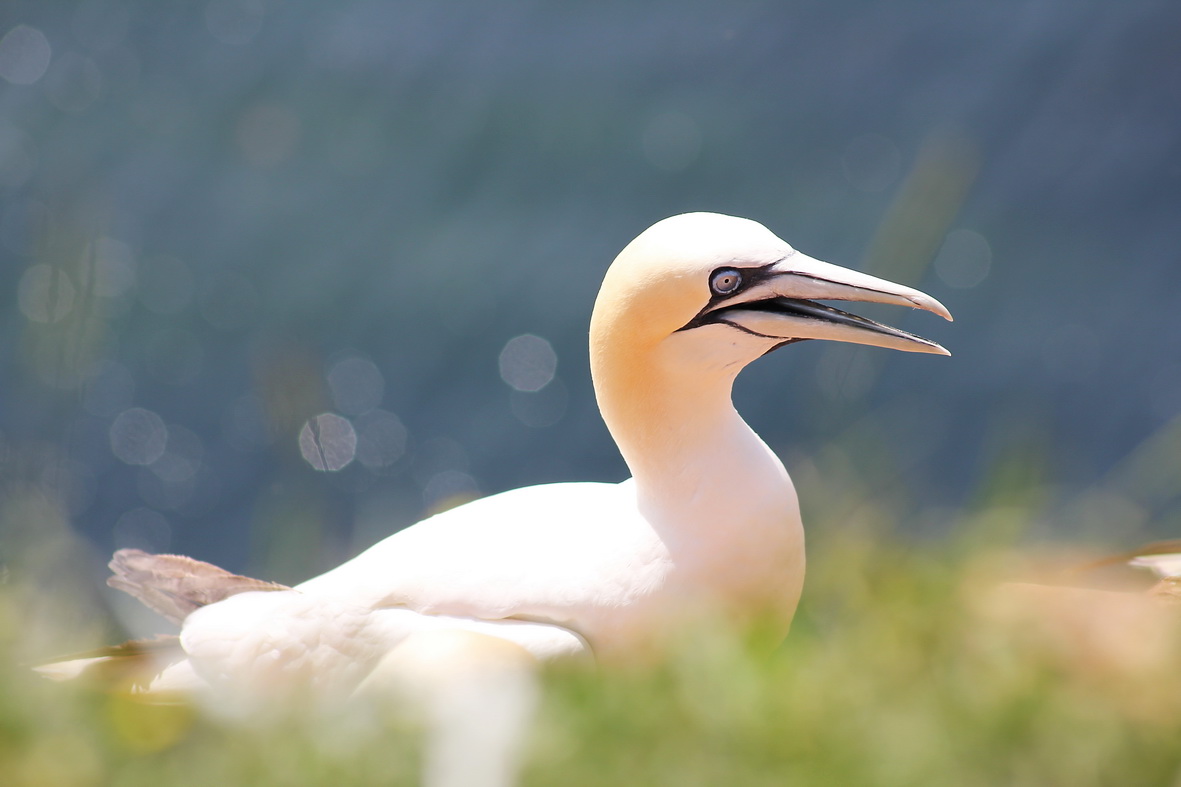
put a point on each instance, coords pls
(717, 496)
(675, 426)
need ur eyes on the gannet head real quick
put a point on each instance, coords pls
(726, 290)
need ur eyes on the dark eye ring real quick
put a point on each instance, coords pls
(725, 281)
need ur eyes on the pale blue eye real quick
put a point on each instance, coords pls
(725, 281)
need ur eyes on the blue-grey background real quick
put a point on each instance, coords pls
(221, 219)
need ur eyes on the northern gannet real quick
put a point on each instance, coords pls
(708, 524)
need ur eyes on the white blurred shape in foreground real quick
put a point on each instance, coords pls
(1162, 565)
(477, 694)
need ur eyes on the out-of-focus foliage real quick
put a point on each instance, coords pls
(281, 276)
(908, 664)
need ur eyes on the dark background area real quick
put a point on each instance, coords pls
(220, 220)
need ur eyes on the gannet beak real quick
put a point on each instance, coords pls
(779, 303)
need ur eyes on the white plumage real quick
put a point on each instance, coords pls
(708, 526)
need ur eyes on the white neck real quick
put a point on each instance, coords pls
(719, 498)
(675, 425)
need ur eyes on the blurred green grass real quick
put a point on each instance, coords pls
(901, 669)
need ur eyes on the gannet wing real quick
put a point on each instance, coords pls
(530, 566)
(134, 663)
(175, 586)
(537, 552)
(551, 552)
(254, 647)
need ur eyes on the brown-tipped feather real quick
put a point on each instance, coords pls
(129, 666)
(174, 585)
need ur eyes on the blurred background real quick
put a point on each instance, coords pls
(280, 277)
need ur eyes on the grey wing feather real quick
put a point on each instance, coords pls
(174, 585)
(131, 666)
